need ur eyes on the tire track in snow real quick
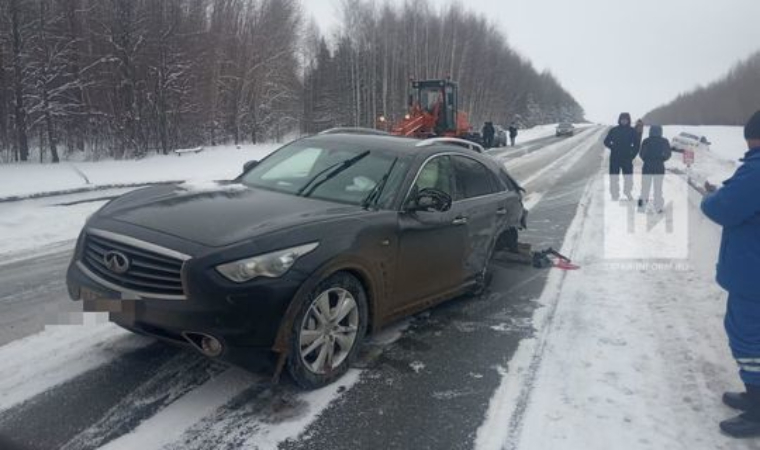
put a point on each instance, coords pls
(36, 364)
(49, 420)
(173, 379)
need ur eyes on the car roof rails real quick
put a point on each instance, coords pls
(454, 141)
(354, 130)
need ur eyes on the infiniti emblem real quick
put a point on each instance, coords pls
(116, 262)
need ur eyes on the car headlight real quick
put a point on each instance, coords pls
(270, 265)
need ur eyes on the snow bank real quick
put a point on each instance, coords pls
(721, 161)
(35, 226)
(214, 163)
(627, 354)
(43, 223)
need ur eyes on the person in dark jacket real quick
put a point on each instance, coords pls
(488, 133)
(736, 207)
(639, 131)
(513, 133)
(623, 144)
(655, 150)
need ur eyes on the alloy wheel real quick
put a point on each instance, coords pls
(329, 330)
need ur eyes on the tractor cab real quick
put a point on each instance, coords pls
(439, 99)
(433, 111)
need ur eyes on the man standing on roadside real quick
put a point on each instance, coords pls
(623, 144)
(513, 133)
(736, 207)
(488, 133)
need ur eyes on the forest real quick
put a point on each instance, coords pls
(729, 101)
(96, 79)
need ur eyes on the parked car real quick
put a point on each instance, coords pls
(565, 129)
(687, 141)
(327, 239)
(501, 137)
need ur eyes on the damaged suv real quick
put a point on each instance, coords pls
(325, 240)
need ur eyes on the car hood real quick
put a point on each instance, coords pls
(219, 214)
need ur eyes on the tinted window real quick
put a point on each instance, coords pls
(507, 180)
(473, 179)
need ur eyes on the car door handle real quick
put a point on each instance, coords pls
(501, 212)
(459, 221)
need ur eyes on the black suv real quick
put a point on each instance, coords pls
(327, 239)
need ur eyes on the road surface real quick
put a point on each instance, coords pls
(425, 383)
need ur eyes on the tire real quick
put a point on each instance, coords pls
(315, 342)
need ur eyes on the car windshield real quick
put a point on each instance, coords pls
(689, 136)
(340, 173)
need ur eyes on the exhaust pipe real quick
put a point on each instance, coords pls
(204, 343)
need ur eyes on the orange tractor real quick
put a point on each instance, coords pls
(433, 112)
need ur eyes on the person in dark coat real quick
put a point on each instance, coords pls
(736, 207)
(488, 133)
(639, 131)
(655, 150)
(513, 133)
(622, 141)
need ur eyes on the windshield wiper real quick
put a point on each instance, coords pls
(377, 191)
(333, 170)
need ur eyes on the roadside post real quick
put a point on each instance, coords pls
(688, 160)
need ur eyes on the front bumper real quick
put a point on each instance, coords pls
(245, 318)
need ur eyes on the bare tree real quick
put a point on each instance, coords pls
(19, 33)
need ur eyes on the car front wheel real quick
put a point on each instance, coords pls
(328, 331)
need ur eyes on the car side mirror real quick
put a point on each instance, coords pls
(431, 200)
(249, 165)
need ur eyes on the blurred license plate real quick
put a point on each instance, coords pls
(98, 302)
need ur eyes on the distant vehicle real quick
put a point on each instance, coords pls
(688, 141)
(327, 239)
(501, 136)
(565, 129)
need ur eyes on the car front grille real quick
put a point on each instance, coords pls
(149, 271)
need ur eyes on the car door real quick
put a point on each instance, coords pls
(430, 244)
(480, 211)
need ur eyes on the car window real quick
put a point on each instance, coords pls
(313, 171)
(297, 165)
(507, 181)
(473, 179)
(435, 174)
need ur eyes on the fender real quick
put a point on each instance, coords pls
(357, 266)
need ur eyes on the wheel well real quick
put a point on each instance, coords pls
(367, 285)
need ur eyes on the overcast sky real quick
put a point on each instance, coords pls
(614, 56)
